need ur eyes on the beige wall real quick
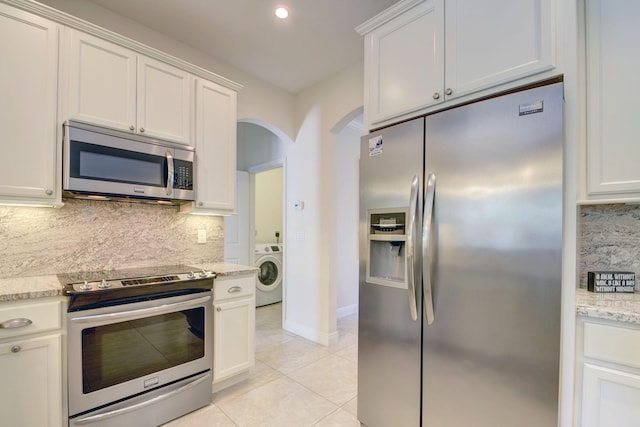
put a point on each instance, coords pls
(310, 289)
(268, 206)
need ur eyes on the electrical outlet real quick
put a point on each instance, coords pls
(202, 236)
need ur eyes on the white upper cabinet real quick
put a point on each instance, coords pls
(491, 42)
(215, 135)
(111, 85)
(164, 101)
(420, 53)
(101, 81)
(28, 110)
(404, 62)
(613, 152)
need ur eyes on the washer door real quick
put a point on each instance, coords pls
(270, 274)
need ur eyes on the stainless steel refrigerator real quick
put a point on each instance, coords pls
(460, 266)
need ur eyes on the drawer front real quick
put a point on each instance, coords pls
(44, 316)
(612, 344)
(234, 287)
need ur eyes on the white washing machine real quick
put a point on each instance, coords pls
(268, 258)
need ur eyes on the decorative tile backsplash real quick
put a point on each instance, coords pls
(609, 239)
(94, 235)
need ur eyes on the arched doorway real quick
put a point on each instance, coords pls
(261, 195)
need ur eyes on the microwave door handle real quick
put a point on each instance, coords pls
(426, 247)
(170, 172)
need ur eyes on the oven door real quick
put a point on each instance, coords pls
(120, 351)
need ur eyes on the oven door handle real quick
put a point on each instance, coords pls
(137, 406)
(143, 312)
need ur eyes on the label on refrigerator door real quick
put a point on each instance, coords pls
(532, 108)
(375, 146)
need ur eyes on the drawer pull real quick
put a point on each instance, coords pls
(16, 349)
(15, 323)
(234, 289)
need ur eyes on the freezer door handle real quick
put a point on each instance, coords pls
(411, 247)
(426, 247)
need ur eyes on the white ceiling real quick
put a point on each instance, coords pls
(317, 40)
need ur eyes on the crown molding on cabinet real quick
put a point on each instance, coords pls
(386, 15)
(82, 25)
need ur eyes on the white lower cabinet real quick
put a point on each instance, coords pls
(611, 397)
(234, 311)
(609, 363)
(31, 385)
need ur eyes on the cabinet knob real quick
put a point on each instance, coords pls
(49, 192)
(218, 309)
(132, 127)
(448, 91)
(16, 349)
(436, 95)
(200, 204)
(142, 130)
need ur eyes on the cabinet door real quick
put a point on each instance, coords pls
(164, 101)
(28, 110)
(404, 66)
(31, 385)
(495, 41)
(610, 397)
(613, 37)
(233, 337)
(216, 124)
(101, 81)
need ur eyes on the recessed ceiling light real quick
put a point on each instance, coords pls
(282, 12)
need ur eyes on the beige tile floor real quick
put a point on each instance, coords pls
(295, 382)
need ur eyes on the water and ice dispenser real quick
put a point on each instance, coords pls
(386, 247)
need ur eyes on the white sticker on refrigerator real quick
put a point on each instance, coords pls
(375, 146)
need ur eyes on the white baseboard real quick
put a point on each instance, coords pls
(346, 311)
(310, 334)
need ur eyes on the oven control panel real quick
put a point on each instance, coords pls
(107, 284)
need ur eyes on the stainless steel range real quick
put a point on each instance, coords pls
(139, 345)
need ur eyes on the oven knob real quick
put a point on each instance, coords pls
(85, 287)
(104, 284)
(204, 274)
(191, 275)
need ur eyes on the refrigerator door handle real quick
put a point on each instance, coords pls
(411, 247)
(426, 247)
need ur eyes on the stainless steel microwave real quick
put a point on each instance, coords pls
(102, 163)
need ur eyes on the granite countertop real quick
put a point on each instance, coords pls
(621, 307)
(19, 288)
